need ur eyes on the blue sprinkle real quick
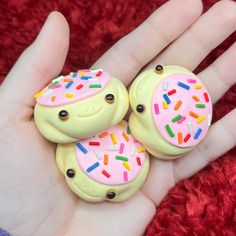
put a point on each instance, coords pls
(197, 133)
(81, 148)
(74, 74)
(185, 86)
(92, 167)
(86, 77)
(165, 96)
(69, 84)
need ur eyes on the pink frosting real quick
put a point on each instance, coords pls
(73, 87)
(101, 157)
(186, 129)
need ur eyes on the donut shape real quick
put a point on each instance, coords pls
(176, 111)
(112, 161)
(80, 105)
(181, 109)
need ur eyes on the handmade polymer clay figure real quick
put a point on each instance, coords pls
(171, 111)
(80, 105)
(109, 166)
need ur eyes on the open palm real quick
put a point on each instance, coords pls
(34, 197)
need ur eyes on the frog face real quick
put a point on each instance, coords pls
(83, 118)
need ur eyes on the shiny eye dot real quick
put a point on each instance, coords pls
(110, 194)
(159, 69)
(63, 115)
(70, 173)
(140, 108)
(110, 98)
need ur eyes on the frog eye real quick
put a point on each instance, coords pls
(70, 173)
(140, 108)
(110, 98)
(110, 194)
(63, 115)
(159, 69)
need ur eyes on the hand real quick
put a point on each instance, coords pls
(35, 199)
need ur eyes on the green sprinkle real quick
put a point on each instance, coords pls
(53, 84)
(176, 118)
(128, 130)
(199, 105)
(170, 132)
(121, 158)
(95, 86)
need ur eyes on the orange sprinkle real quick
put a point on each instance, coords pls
(196, 99)
(177, 105)
(66, 80)
(105, 161)
(180, 137)
(53, 98)
(191, 113)
(102, 135)
(125, 137)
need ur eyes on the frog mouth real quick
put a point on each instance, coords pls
(79, 191)
(84, 116)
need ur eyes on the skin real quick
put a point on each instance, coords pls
(36, 200)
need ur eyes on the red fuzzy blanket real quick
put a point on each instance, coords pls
(202, 205)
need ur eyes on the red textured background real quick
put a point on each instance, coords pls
(202, 205)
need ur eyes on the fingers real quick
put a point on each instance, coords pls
(220, 139)
(159, 181)
(208, 32)
(112, 218)
(221, 74)
(132, 52)
(39, 63)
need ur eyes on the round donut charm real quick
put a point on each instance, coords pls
(172, 111)
(110, 166)
(80, 105)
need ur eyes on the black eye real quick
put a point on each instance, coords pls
(159, 69)
(110, 98)
(140, 108)
(70, 173)
(63, 115)
(110, 194)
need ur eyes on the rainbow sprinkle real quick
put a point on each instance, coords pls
(182, 85)
(201, 118)
(122, 146)
(142, 149)
(102, 135)
(121, 158)
(94, 143)
(98, 154)
(170, 132)
(125, 176)
(138, 161)
(197, 134)
(105, 160)
(177, 105)
(69, 84)
(176, 118)
(126, 165)
(104, 172)
(198, 86)
(113, 138)
(92, 167)
(81, 148)
(200, 105)
(95, 86)
(156, 108)
(125, 137)
(187, 137)
(165, 96)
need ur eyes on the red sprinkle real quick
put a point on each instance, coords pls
(187, 137)
(80, 86)
(138, 161)
(94, 143)
(206, 97)
(171, 92)
(106, 173)
(99, 73)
